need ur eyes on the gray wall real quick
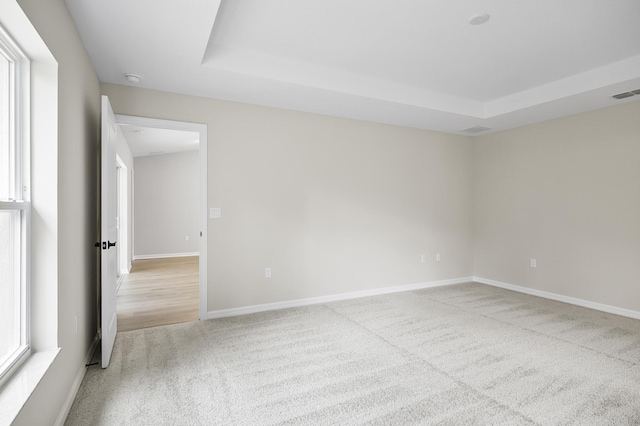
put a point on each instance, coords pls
(77, 207)
(167, 198)
(331, 205)
(567, 193)
(335, 205)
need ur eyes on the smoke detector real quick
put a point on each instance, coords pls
(133, 78)
(479, 19)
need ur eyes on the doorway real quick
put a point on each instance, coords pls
(164, 279)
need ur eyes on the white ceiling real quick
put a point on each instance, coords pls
(411, 62)
(144, 141)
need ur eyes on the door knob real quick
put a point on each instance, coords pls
(111, 244)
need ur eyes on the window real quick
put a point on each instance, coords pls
(14, 207)
(28, 158)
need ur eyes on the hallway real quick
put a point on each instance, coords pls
(159, 292)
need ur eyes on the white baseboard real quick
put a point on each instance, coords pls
(66, 407)
(222, 313)
(560, 298)
(162, 256)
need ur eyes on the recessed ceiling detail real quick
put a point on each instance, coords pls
(419, 64)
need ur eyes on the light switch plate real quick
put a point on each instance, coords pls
(215, 213)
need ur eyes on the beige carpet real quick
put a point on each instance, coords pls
(465, 354)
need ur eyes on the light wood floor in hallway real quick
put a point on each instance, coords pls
(159, 292)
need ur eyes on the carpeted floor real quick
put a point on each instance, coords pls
(467, 354)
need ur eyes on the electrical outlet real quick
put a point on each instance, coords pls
(423, 258)
(533, 263)
(186, 238)
(437, 257)
(267, 272)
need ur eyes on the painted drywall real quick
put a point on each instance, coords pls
(166, 205)
(77, 208)
(566, 193)
(331, 205)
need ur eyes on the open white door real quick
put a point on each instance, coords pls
(109, 232)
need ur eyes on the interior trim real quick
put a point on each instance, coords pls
(560, 298)
(223, 313)
(163, 256)
(75, 387)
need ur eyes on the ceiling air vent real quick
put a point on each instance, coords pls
(476, 129)
(627, 94)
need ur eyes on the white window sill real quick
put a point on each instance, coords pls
(15, 393)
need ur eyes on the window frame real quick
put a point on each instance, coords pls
(19, 199)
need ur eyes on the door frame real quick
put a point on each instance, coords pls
(122, 195)
(202, 146)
